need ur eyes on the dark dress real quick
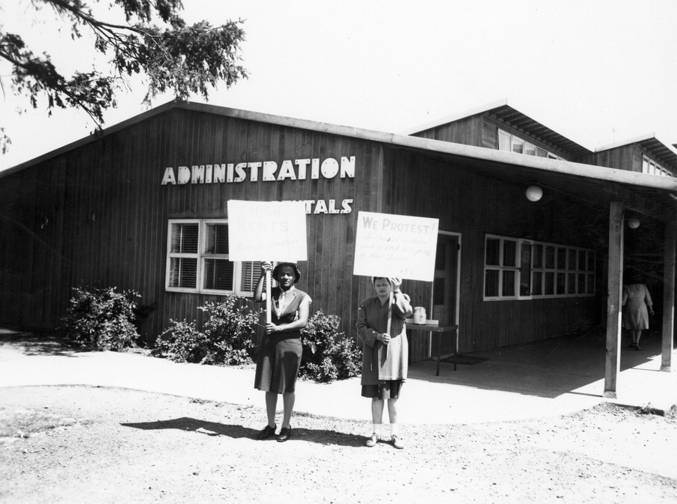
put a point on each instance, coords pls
(280, 355)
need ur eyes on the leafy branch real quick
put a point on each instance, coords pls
(173, 56)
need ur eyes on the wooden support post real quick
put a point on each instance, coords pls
(269, 318)
(668, 330)
(614, 288)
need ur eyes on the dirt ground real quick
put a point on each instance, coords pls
(96, 445)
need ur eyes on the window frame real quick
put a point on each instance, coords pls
(201, 257)
(589, 289)
(511, 137)
(651, 167)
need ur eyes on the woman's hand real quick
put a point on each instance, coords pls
(266, 266)
(383, 338)
(396, 282)
(651, 312)
(271, 328)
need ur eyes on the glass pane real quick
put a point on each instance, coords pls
(184, 238)
(538, 256)
(503, 140)
(517, 145)
(183, 272)
(591, 261)
(591, 284)
(581, 283)
(537, 286)
(509, 253)
(561, 283)
(549, 283)
(438, 291)
(440, 255)
(541, 152)
(561, 258)
(571, 263)
(218, 274)
(529, 149)
(581, 260)
(508, 283)
(491, 283)
(250, 273)
(217, 239)
(571, 283)
(492, 251)
(525, 270)
(549, 257)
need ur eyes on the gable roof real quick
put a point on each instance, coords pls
(494, 160)
(503, 112)
(658, 150)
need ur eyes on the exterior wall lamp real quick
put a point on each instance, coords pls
(633, 222)
(534, 193)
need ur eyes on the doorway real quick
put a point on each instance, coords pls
(446, 287)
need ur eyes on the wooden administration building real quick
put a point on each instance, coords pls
(143, 206)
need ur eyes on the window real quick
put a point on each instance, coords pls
(500, 279)
(525, 269)
(197, 260)
(650, 167)
(513, 143)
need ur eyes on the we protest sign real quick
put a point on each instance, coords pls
(390, 245)
(267, 231)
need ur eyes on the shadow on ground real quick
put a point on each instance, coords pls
(39, 343)
(324, 437)
(545, 368)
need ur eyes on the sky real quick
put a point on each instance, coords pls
(597, 72)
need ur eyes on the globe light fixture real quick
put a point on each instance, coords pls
(633, 222)
(534, 193)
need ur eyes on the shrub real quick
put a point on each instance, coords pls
(101, 319)
(226, 337)
(328, 354)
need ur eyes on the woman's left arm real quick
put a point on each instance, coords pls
(648, 300)
(401, 305)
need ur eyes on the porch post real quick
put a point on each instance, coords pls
(668, 330)
(613, 307)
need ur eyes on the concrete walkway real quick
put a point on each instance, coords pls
(531, 381)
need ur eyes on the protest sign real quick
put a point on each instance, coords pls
(390, 245)
(267, 231)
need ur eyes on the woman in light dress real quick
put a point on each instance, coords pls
(638, 306)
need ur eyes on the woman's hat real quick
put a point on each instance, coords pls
(294, 266)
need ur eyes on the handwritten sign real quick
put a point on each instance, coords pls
(267, 231)
(395, 246)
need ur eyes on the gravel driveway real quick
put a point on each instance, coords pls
(88, 444)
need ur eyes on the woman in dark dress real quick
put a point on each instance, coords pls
(280, 354)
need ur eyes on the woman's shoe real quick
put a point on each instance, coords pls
(266, 432)
(285, 433)
(371, 441)
(397, 442)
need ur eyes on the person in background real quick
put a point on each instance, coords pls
(279, 357)
(638, 305)
(385, 353)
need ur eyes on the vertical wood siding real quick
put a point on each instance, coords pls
(97, 216)
(473, 206)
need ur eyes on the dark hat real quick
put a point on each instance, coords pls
(294, 266)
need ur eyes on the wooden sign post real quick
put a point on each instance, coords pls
(267, 231)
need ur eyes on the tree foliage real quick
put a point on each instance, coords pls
(153, 41)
